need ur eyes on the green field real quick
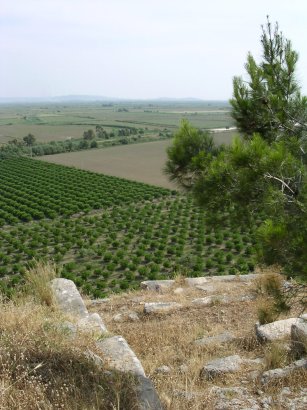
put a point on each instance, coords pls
(52, 122)
(107, 233)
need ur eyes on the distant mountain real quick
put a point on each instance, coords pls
(93, 98)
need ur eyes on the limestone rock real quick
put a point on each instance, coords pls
(299, 336)
(223, 278)
(68, 297)
(220, 338)
(117, 354)
(133, 317)
(148, 398)
(233, 398)
(157, 285)
(210, 300)
(275, 330)
(200, 281)
(97, 360)
(298, 402)
(277, 374)
(93, 324)
(229, 364)
(207, 287)
(163, 370)
(161, 307)
(119, 317)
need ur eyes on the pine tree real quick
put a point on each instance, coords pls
(270, 102)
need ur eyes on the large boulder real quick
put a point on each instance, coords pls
(276, 330)
(148, 398)
(68, 297)
(117, 355)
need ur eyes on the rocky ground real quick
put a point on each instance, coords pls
(197, 342)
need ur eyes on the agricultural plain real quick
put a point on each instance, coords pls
(108, 234)
(68, 120)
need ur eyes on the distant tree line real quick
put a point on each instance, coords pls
(29, 146)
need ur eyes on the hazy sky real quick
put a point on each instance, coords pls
(137, 48)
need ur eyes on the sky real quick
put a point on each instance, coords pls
(138, 49)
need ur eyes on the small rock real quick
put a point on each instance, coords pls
(220, 338)
(163, 369)
(161, 307)
(127, 315)
(285, 391)
(157, 285)
(119, 317)
(246, 298)
(210, 300)
(206, 287)
(133, 317)
(277, 374)
(233, 398)
(229, 364)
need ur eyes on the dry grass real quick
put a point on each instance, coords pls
(42, 367)
(168, 339)
(38, 278)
